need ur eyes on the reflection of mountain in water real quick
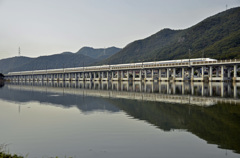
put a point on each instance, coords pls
(85, 104)
(216, 124)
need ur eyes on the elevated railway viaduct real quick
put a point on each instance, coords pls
(200, 69)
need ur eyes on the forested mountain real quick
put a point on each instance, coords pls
(83, 57)
(64, 60)
(100, 53)
(215, 37)
(9, 64)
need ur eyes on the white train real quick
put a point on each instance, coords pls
(110, 67)
(164, 62)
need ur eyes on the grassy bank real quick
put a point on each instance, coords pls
(3, 154)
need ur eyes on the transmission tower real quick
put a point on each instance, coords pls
(19, 51)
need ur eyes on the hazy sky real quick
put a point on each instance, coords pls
(44, 27)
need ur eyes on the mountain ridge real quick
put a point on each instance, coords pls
(98, 53)
(205, 38)
(62, 60)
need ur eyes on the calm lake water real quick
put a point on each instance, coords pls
(121, 120)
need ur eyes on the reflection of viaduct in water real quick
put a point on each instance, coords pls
(197, 93)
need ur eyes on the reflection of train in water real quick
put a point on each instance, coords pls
(114, 67)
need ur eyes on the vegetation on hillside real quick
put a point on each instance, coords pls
(9, 64)
(215, 37)
(101, 53)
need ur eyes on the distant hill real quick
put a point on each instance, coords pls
(9, 64)
(57, 61)
(215, 37)
(83, 57)
(100, 53)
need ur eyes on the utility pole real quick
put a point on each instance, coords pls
(189, 55)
